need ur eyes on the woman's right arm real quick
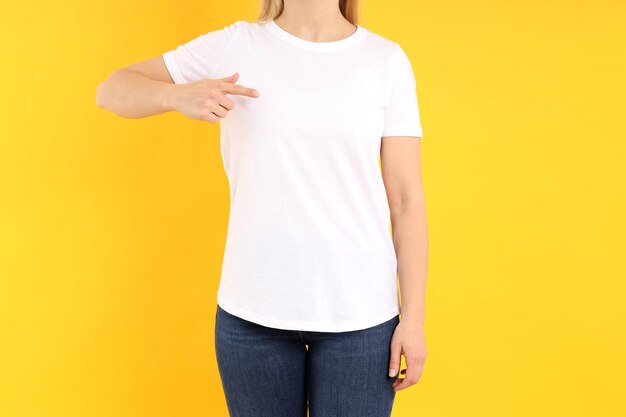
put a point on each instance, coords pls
(146, 89)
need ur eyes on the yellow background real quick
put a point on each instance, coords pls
(112, 229)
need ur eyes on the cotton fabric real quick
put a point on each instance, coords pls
(309, 244)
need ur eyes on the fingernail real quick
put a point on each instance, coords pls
(256, 93)
(392, 372)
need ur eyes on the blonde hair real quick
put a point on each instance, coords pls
(271, 9)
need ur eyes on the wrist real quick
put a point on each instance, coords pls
(416, 317)
(170, 97)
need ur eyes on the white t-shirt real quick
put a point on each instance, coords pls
(309, 243)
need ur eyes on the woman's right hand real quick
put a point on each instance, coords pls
(206, 99)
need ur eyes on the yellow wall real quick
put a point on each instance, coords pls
(112, 229)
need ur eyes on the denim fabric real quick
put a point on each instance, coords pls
(268, 372)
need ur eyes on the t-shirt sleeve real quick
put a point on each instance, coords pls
(199, 58)
(402, 117)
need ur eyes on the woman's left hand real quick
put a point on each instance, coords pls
(408, 340)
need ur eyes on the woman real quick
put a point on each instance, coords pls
(308, 310)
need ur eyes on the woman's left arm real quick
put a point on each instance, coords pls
(401, 170)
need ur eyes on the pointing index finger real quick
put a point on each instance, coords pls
(239, 90)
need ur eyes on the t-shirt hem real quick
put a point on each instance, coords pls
(316, 326)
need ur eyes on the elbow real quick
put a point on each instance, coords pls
(407, 203)
(100, 101)
(104, 91)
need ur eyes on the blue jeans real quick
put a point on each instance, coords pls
(268, 372)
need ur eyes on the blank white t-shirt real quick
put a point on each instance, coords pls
(309, 244)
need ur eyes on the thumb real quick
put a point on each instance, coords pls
(394, 361)
(231, 78)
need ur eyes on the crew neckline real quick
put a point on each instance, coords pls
(319, 46)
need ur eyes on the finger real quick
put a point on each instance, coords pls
(239, 90)
(401, 383)
(209, 116)
(218, 110)
(224, 101)
(397, 380)
(413, 371)
(394, 359)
